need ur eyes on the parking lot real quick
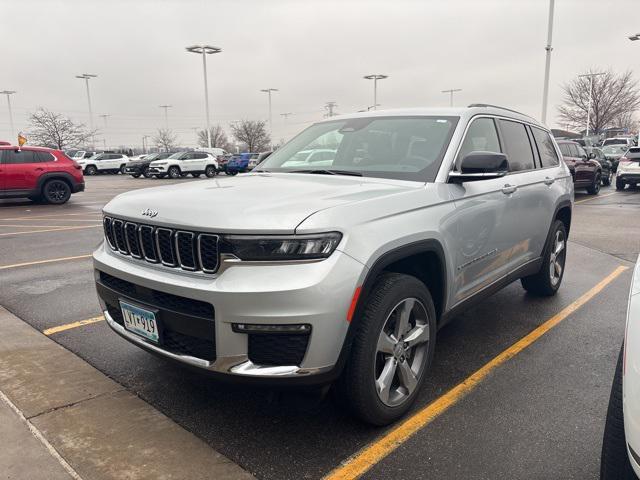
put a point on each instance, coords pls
(536, 410)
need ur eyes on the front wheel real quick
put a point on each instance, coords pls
(614, 461)
(135, 175)
(547, 281)
(594, 188)
(174, 172)
(146, 173)
(392, 349)
(210, 171)
(122, 167)
(91, 170)
(56, 192)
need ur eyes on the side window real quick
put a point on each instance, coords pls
(45, 157)
(517, 145)
(481, 136)
(573, 150)
(201, 155)
(564, 149)
(19, 156)
(581, 151)
(548, 155)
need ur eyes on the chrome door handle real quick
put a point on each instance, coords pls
(509, 189)
(549, 180)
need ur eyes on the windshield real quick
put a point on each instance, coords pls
(616, 141)
(151, 156)
(177, 156)
(613, 149)
(405, 148)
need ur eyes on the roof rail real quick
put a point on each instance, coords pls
(497, 106)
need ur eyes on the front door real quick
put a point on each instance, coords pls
(21, 169)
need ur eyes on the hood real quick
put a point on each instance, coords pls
(254, 203)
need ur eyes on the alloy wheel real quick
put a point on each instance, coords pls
(402, 346)
(57, 191)
(557, 258)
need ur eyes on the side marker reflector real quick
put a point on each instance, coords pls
(354, 303)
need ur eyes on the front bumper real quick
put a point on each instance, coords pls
(157, 169)
(628, 177)
(133, 170)
(314, 293)
(78, 187)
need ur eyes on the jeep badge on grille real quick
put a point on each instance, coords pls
(147, 212)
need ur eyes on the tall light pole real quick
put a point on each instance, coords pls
(633, 38)
(86, 77)
(166, 115)
(329, 106)
(144, 145)
(590, 75)
(205, 50)
(375, 78)
(451, 92)
(104, 136)
(8, 93)
(547, 65)
(268, 92)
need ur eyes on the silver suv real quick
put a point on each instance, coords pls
(341, 269)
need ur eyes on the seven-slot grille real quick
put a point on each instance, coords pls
(193, 251)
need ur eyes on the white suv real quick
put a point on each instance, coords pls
(182, 163)
(104, 163)
(305, 274)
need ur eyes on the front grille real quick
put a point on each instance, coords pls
(193, 251)
(277, 349)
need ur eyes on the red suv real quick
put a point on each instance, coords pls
(41, 174)
(586, 172)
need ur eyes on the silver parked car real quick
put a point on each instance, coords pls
(347, 270)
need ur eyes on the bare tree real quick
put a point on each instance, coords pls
(165, 139)
(218, 138)
(253, 133)
(614, 97)
(53, 130)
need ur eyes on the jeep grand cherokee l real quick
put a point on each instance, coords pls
(343, 272)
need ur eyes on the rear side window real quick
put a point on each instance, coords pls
(548, 155)
(481, 136)
(200, 155)
(45, 157)
(564, 149)
(19, 156)
(517, 146)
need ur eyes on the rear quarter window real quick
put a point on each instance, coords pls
(548, 154)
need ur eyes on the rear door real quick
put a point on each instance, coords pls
(22, 168)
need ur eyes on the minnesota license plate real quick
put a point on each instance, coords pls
(140, 321)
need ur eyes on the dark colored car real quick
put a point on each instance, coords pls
(613, 154)
(586, 172)
(135, 168)
(40, 174)
(606, 166)
(223, 160)
(239, 163)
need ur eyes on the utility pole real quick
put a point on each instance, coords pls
(166, 115)
(104, 136)
(330, 106)
(547, 65)
(375, 78)
(8, 93)
(144, 144)
(451, 92)
(205, 50)
(268, 92)
(86, 77)
(590, 75)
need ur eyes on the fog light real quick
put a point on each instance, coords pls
(255, 328)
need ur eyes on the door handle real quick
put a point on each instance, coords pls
(39, 169)
(509, 189)
(549, 180)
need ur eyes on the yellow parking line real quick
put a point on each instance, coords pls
(51, 217)
(69, 326)
(40, 262)
(366, 458)
(37, 226)
(595, 197)
(61, 229)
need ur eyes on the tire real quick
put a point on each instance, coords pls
(210, 171)
(232, 172)
(196, 175)
(91, 170)
(174, 172)
(547, 281)
(594, 188)
(391, 294)
(614, 461)
(122, 167)
(619, 184)
(146, 173)
(56, 192)
(135, 175)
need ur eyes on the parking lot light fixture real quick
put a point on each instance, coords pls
(547, 64)
(375, 78)
(8, 93)
(268, 92)
(451, 92)
(205, 50)
(86, 77)
(166, 115)
(590, 75)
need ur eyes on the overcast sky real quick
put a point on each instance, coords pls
(312, 51)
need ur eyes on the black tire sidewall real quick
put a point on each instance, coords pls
(63, 184)
(146, 173)
(171, 174)
(210, 171)
(91, 170)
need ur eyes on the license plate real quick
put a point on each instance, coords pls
(140, 321)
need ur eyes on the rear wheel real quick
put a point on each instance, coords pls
(210, 171)
(91, 170)
(547, 281)
(174, 172)
(614, 461)
(594, 188)
(392, 349)
(146, 173)
(122, 167)
(619, 184)
(56, 192)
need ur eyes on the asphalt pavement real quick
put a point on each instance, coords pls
(538, 415)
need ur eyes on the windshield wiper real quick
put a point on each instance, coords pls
(330, 172)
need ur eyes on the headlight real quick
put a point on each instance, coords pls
(157, 164)
(274, 248)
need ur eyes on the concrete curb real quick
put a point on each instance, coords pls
(98, 428)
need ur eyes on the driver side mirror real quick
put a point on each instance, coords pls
(480, 166)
